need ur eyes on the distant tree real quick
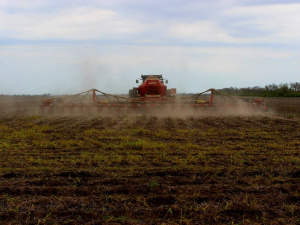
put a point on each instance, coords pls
(295, 86)
(272, 90)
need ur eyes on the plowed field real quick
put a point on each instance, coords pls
(150, 170)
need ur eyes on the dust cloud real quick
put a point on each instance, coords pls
(19, 105)
(30, 105)
(88, 81)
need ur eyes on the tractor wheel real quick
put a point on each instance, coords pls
(132, 93)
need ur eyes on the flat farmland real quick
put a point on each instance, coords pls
(149, 169)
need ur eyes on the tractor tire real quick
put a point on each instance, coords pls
(132, 93)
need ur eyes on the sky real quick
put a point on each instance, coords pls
(69, 46)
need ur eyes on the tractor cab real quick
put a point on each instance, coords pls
(144, 78)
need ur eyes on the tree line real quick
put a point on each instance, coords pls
(271, 90)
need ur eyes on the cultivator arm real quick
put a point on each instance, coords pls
(96, 99)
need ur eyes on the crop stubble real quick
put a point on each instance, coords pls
(150, 170)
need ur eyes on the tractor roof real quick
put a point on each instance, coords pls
(145, 76)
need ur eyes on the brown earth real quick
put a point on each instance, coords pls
(150, 170)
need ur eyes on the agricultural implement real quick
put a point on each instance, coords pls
(151, 95)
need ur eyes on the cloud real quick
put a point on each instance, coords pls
(71, 24)
(276, 23)
(194, 22)
(24, 4)
(199, 31)
(273, 23)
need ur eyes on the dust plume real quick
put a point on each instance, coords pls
(19, 105)
(88, 80)
(104, 105)
(84, 106)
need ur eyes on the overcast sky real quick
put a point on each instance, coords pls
(68, 46)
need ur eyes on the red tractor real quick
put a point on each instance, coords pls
(152, 87)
